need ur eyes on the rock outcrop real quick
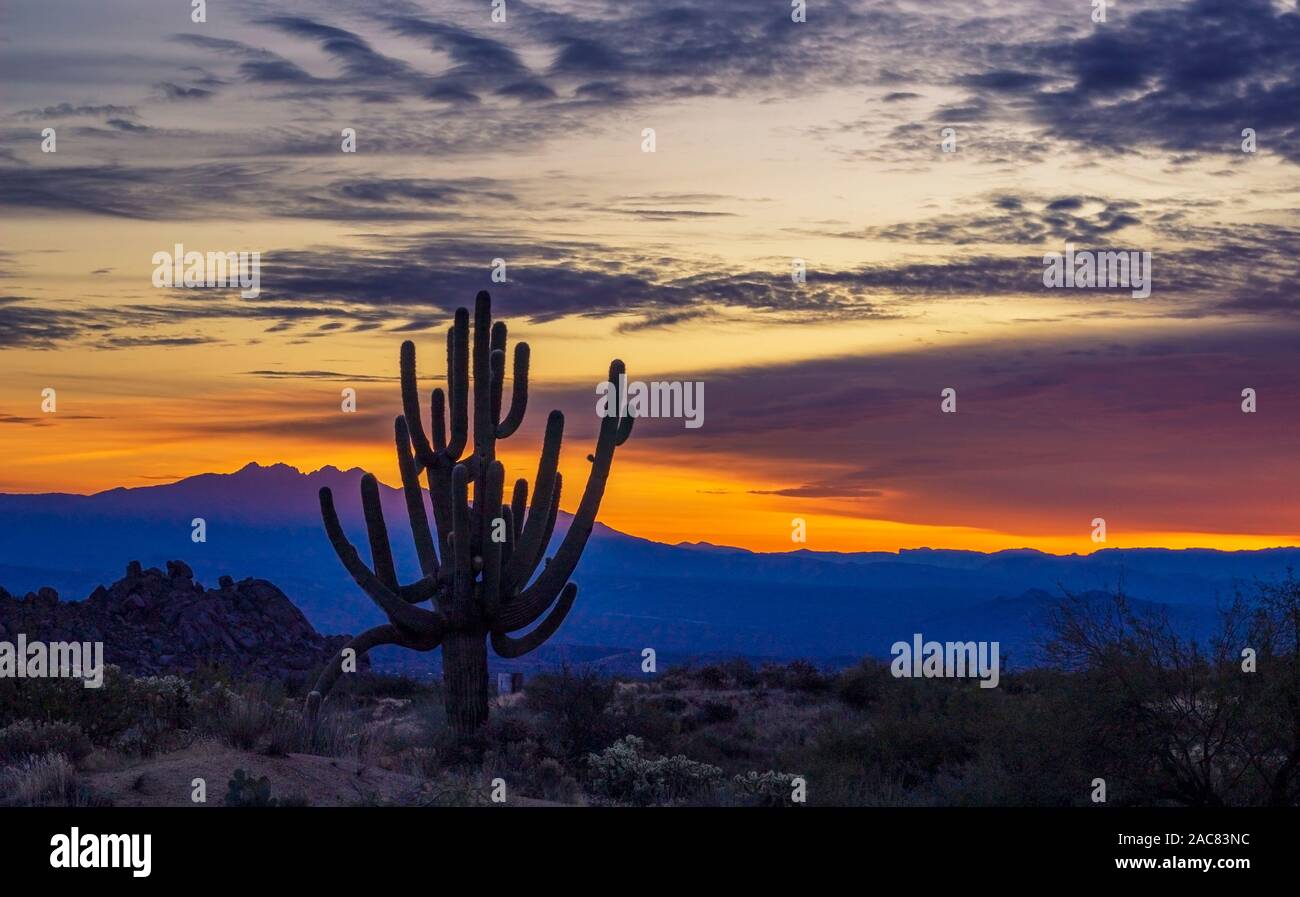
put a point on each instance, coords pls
(154, 622)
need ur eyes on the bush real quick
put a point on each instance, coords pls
(124, 707)
(573, 704)
(797, 675)
(246, 718)
(621, 773)
(717, 712)
(712, 677)
(860, 686)
(42, 780)
(741, 672)
(766, 789)
(27, 737)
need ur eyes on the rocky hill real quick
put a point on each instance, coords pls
(153, 622)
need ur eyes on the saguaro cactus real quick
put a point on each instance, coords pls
(479, 559)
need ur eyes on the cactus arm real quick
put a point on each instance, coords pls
(439, 480)
(458, 383)
(498, 369)
(530, 602)
(438, 405)
(420, 533)
(492, 549)
(411, 405)
(519, 505)
(543, 489)
(484, 425)
(508, 647)
(420, 590)
(371, 638)
(381, 553)
(386, 634)
(624, 430)
(497, 365)
(518, 394)
(416, 619)
(545, 541)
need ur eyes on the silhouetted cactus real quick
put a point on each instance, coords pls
(479, 558)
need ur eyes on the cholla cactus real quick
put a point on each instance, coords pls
(479, 559)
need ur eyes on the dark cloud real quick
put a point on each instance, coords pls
(318, 375)
(475, 56)
(187, 191)
(34, 327)
(831, 489)
(1187, 77)
(152, 342)
(68, 110)
(180, 92)
(1020, 220)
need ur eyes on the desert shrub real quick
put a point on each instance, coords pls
(334, 734)
(711, 676)
(518, 750)
(671, 703)
(860, 686)
(656, 720)
(288, 734)
(42, 780)
(166, 700)
(247, 717)
(623, 774)
(457, 789)
(797, 675)
(573, 705)
(554, 782)
(136, 709)
(675, 678)
(741, 673)
(712, 712)
(27, 737)
(765, 789)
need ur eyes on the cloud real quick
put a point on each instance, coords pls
(180, 92)
(1185, 77)
(68, 110)
(319, 375)
(1019, 220)
(269, 189)
(1048, 433)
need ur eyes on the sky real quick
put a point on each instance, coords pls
(774, 140)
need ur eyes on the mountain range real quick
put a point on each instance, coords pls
(689, 599)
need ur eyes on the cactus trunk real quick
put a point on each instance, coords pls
(465, 679)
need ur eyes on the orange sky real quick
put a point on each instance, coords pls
(818, 144)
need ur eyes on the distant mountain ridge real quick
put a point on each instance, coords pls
(685, 599)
